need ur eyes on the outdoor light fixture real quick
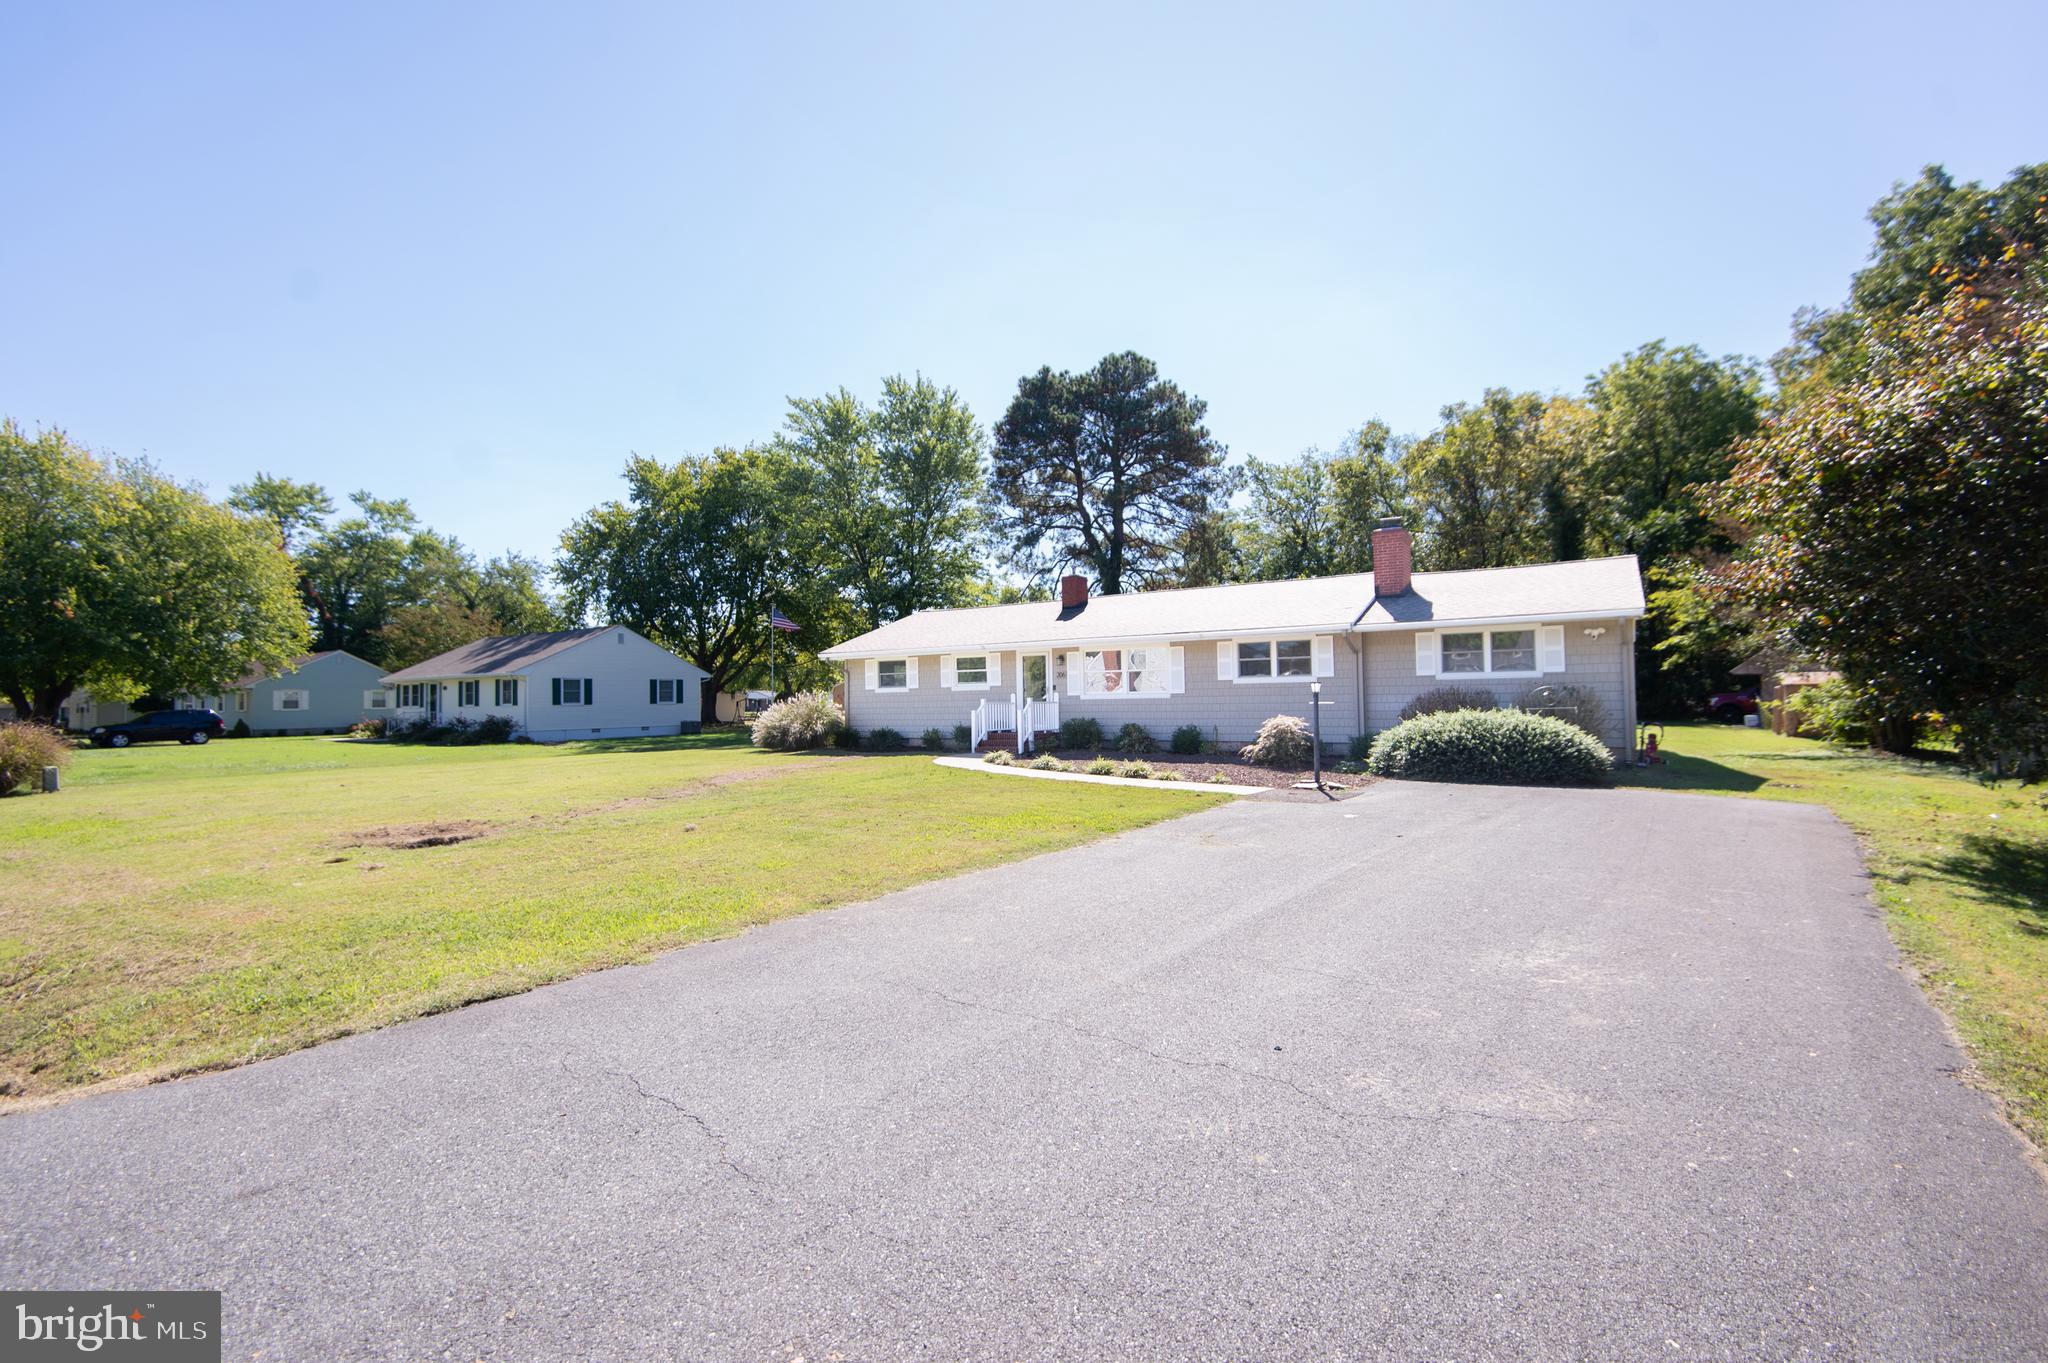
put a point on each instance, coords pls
(1595, 631)
(1315, 724)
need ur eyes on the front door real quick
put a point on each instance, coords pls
(434, 701)
(1036, 674)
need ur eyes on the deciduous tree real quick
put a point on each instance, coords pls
(113, 575)
(692, 557)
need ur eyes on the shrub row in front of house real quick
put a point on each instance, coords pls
(453, 733)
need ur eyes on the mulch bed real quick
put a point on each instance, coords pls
(1204, 766)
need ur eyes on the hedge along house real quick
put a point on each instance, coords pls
(1226, 659)
(577, 683)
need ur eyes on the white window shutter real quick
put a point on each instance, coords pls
(1226, 660)
(910, 673)
(995, 669)
(874, 673)
(1425, 654)
(949, 671)
(1325, 650)
(1073, 674)
(1177, 673)
(1550, 648)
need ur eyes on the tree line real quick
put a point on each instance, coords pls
(859, 511)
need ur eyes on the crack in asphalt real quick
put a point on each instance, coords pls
(718, 1142)
(1313, 1099)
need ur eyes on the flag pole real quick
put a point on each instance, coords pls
(772, 632)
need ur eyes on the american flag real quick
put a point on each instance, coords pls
(778, 620)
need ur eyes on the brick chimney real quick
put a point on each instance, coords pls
(1393, 556)
(1073, 591)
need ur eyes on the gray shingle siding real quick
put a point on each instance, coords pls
(1598, 664)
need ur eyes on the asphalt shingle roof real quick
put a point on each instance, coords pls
(496, 655)
(1607, 586)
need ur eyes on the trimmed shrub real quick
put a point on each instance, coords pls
(1135, 771)
(886, 740)
(241, 729)
(493, 729)
(999, 757)
(1187, 740)
(1080, 732)
(1495, 746)
(1359, 748)
(961, 733)
(1102, 766)
(1047, 762)
(1283, 741)
(25, 749)
(806, 721)
(1442, 698)
(846, 738)
(1135, 738)
(934, 740)
(1572, 704)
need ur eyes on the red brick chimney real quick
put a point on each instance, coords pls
(1393, 556)
(1073, 591)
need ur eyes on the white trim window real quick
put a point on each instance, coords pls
(1491, 651)
(242, 702)
(469, 695)
(377, 699)
(1136, 671)
(970, 669)
(288, 700)
(892, 674)
(1275, 659)
(505, 691)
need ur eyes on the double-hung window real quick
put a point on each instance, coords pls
(662, 691)
(892, 674)
(1262, 659)
(970, 669)
(289, 700)
(505, 691)
(574, 692)
(1487, 651)
(469, 693)
(378, 699)
(1141, 671)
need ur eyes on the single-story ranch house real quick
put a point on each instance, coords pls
(575, 683)
(1228, 658)
(320, 693)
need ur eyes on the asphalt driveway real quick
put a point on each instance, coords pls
(1435, 1073)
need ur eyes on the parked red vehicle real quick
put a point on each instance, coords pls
(1728, 707)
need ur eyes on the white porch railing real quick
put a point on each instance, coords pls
(1034, 717)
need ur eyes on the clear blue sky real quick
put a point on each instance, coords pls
(474, 255)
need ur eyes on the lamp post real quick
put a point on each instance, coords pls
(1315, 726)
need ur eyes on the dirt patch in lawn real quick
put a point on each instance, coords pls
(1202, 767)
(407, 836)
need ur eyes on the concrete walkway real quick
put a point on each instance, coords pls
(1433, 1073)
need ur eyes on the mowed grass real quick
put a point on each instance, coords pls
(175, 908)
(1960, 867)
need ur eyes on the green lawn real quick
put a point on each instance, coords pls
(182, 908)
(1961, 869)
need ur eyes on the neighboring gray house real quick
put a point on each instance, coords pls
(319, 693)
(577, 683)
(1229, 658)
